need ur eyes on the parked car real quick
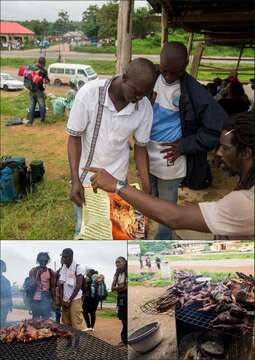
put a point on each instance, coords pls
(60, 73)
(8, 82)
(246, 249)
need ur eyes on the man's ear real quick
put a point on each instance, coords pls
(124, 77)
(247, 153)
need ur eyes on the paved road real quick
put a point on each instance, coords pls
(52, 53)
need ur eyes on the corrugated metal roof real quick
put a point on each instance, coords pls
(7, 27)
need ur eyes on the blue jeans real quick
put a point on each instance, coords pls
(166, 190)
(37, 97)
(78, 217)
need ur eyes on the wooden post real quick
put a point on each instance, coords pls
(190, 43)
(196, 60)
(124, 35)
(239, 59)
(164, 26)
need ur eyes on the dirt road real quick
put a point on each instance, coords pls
(228, 265)
(105, 329)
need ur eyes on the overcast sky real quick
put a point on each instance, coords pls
(28, 10)
(20, 256)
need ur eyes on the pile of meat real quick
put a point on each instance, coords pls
(232, 300)
(30, 330)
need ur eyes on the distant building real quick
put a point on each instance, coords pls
(134, 249)
(75, 37)
(12, 34)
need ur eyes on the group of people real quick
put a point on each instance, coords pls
(175, 123)
(68, 295)
(148, 262)
(230, 94)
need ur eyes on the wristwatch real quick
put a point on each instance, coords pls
(119, 185)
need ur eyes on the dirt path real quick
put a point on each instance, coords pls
(228, 265)
(137, 296)
(105, 329)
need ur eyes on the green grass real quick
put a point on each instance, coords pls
(151, 46)
(108, 67)
(111, 298)
(108, 314)
(41, 215)
(156, 281)
(104, 67)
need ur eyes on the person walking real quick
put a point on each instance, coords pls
(70, 281)
(158, 262)
(148, 262)
(120, 285)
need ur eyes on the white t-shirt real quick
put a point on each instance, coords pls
(166, 127)
(68, 279)
(231, 216)
(112, 148)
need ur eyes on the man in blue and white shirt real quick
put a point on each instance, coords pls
(187, 123)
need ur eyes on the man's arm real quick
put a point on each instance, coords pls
(77, 287)
(142, 164)
(174, 216)
(74, 155)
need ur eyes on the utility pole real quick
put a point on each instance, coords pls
(124, 35)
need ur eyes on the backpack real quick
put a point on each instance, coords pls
(32, 76)
(16, 180)
(13, 178)
(98, 288)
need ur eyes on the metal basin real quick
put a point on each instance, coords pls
(146, 338)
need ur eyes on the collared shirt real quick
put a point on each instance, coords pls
(166, 127)
(232, 216)
(112, 148)
(68, 279)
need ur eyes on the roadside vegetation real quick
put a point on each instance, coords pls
(154, 279)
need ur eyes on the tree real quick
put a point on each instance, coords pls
(89, 21)
(62, 24)
(141, 26)
(107, 17)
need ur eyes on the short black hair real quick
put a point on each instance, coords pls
(43, 254)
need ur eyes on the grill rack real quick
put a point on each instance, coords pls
(191, 316)
(150, 308)
(58, 348)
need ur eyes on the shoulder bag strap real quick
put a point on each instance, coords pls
(102, 94)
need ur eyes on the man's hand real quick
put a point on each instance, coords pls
(66, 304)
(172, 152)
(77, 193)
(102, 180)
